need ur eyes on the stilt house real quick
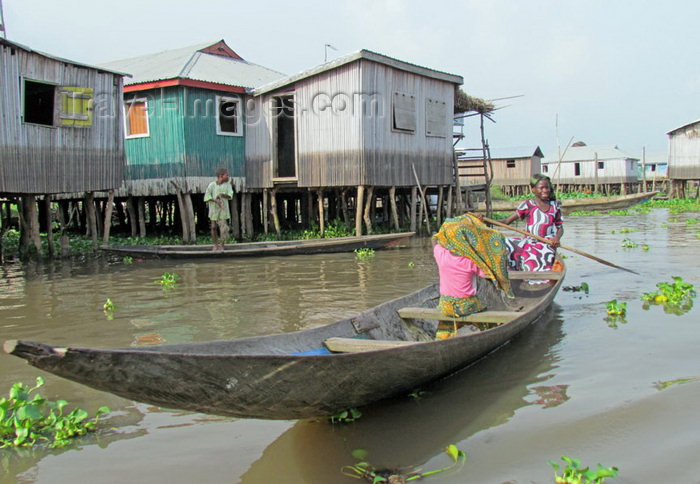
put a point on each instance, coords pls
(512, 168)
(364, 120)
(592, 166)
(61, 128)
(684, 152)
(185, 117)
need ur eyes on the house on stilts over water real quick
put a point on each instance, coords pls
(185, 115)
(684, 157)
(352, 137)
(61, 133)
(600, 169)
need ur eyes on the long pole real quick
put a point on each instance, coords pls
(549, 242)
(3, 26)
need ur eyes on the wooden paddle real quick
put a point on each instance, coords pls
(549, 242)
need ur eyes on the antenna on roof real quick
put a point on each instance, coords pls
(325, 52)
(3, 29)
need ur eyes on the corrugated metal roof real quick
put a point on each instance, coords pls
(515, 152)
(588, 153)
(61, 59)
(190, 63)
(684, 126)
(360, 54)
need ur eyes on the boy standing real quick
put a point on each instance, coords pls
(218, 193)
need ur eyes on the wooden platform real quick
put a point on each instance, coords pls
(355, 345)
(494, 317)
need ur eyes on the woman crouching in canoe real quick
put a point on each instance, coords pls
(465, 248)
(542, 216)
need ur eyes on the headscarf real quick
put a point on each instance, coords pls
(467, 236)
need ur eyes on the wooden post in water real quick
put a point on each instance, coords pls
(107, 223)
(359, 208)
(414, 201)
(439, 205)
(273, 211)
(189, 216)
(321, 213)
(595, 173)
(265, 210)
(394, 210)
(90, 218)
(344, 206)
(49, 223)
(235, 217)
(141, 204)
(368, 209)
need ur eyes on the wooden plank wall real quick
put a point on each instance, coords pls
(258, 142)
(43, 159)
(502, 174)
(684, 153)
(390, 154)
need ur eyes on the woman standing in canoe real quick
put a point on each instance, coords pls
(542, 217)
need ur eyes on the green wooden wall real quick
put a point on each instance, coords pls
(183, 139)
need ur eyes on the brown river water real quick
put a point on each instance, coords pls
(572, 384)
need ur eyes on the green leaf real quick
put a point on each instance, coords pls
(453, 452)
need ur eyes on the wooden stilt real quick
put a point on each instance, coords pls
(183, 217)
(344, 206)
(394, 211)
(141, 204)
(359, 206)
(49, 225)
(265, 210)
(367, 211)
(235, 217)
(273, 211)
(449, 201)
(321, 212)
(107, 224)
(414, 202)
(189, 216)
(91, 219)
(439, 205)
(131, 210)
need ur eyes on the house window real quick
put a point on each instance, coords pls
(435, 118)
(545, 168)
(601, 165)
(510, 164)
(50, 105)
(653, 168)
(39, 99)
(136, 118)
(577, 169)
(404, 113)
(228, 122)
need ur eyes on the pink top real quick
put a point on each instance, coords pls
(456, 273)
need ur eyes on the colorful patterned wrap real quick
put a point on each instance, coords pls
(467, 236)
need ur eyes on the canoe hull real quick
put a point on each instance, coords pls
(569, 205)
(261, 377)
(261, 249)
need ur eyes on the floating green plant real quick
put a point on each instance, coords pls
(691, 221)
(625, 231)
(662, 385)
(628, 243)
(109, 308)
(365, 470)
(346, 416)
(581, 287)
(584, 213)
(168, 280)
(127, 260)
(676, 296)
(364, 253)
(411, 264)
(26, 419)
(572, 473)
(615, 308)
(645, 247)
(620, 212)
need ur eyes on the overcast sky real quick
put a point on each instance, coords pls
(615, 72)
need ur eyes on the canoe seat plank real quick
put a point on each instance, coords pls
(534, 275)
(497, 317)
(356, 345)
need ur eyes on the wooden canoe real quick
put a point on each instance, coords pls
(385, 351)
(268, 248)
(569, 205)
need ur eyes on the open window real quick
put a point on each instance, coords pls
(601, 165)
(403, 113)
(228, 118)
(577, 169)
(284, 141)
(510, 163)
(50, 105)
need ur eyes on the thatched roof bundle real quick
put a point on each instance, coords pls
(465, 103)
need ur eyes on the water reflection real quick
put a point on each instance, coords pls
(406, 432)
